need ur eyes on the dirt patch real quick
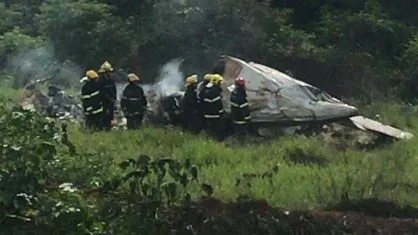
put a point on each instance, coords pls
(211, 216)
(252, 217)
(379, 208)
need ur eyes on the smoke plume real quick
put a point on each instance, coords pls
(170, 80)
(40, 63)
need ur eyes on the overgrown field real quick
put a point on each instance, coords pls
(329, 173)
(171, 167)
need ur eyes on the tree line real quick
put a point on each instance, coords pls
(364, 49)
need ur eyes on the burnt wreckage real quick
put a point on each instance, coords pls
(56, 103)
(279, 102)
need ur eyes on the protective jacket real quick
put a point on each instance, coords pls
(190, 103)
(91, 97)
(133, 101)
(201, 86)
(108, 88)
(212, 103)
(240, 111)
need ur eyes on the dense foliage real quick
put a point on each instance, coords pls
(44, 189)
(361, 48)
(109, 187)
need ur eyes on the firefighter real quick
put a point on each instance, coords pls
(92, 101)
(240, 111)
(213, 106)
(108, 89)
(202, 84)
(200, 96)
(133, 102)
(83, 80)
(190, 105)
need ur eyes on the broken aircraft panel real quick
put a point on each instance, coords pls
(364, 123)
(275, 97)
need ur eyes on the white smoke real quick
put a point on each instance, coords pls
(40, 63)
(170, 79)
(119, 89)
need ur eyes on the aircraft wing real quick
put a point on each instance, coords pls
(364, 123)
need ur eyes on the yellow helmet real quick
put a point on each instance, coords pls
(106, 67)
(207, 77)
(216, 79)
(91, 74)
(191, 79)
(132, 77)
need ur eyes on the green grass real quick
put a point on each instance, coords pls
(387, 173)
(384, 173)
(6, 93)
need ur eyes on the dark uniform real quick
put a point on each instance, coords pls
(171, 106)
(92, 101)
(133, 104)
(108, 88)
(213, 110)
(201, 87)
(190, 109)
(240, 111)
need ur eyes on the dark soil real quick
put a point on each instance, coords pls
(211, 216)
(373, 207)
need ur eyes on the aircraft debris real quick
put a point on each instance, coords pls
(56, 103)
(278, 100)
(367, 124)
(279, 104)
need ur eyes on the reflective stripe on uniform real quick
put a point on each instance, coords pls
(91, 95)
(243, 105)
(240, 106)
(97, 111)
(212, 116)
(89, 108)
(94, 93)
(212, 100)
(132, 99)
(221, 111)
(247, 117)
(240, 122)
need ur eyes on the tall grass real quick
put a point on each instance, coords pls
(387, 173)
(310, 174)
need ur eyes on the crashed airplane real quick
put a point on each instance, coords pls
(278, 102)
(276, 99)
